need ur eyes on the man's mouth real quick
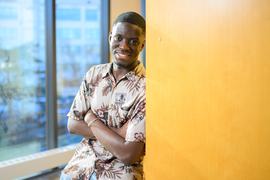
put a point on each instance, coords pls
(122, 55)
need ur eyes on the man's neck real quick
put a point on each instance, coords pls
(119, 72)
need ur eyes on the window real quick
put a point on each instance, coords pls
(68, 14)
(68, 33)
(22, 82)
(92, 34)
(77, 50)
(91, 15)
(8, 12)
(23, 69)
(8, 33)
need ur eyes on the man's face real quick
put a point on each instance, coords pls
(126, 43)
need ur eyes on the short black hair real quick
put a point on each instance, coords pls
(132, 18)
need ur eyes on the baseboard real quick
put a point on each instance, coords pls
(34, 163)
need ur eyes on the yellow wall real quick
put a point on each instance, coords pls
(119, 6)
(208, 90)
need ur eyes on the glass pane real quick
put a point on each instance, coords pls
(22, 78)
(77, 50)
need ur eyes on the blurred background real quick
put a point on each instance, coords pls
(23, 69)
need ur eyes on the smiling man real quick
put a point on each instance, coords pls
(109, 110)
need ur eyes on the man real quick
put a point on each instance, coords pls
(109, 110)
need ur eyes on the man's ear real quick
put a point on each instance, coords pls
(143, 44)
(110, 37)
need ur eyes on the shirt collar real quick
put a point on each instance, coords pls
(108, 70)
(138, 71)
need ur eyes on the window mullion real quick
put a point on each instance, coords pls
(105, 29)
(51, 91)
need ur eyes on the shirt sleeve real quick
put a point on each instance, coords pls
(136, 126)
(80, 103)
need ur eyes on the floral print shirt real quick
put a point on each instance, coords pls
(114, 103)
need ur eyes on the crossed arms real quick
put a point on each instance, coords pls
(113, 139)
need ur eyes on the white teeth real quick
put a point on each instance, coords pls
(122, 54)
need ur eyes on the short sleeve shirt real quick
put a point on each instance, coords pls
(114, 103)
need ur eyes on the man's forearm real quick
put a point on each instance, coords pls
(127, 152)
(80, 128)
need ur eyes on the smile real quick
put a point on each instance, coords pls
(121, 55)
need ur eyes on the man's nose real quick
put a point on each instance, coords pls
(124, 45)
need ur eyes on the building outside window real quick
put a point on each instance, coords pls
(77, 50)
(23, 69)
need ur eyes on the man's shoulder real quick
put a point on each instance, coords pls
(101, 67)
(98, 69)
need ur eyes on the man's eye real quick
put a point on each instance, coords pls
(118, 38)
(133, 42)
